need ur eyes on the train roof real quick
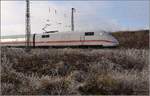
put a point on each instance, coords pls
(72, 32)
(13, 36)
(23, 36)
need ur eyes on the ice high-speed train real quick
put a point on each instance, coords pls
(62, 39)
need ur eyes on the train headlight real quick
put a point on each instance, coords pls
(100, 33)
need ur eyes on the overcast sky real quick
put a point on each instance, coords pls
(89, 15)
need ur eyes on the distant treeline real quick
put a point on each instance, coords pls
(133, 39)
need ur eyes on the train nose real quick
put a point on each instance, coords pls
(115, 41)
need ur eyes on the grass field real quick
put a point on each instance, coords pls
(120, 71)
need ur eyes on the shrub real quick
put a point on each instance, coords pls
(74, 71)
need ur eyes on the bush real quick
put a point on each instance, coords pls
(74, 71)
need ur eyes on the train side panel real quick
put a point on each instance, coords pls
(72, 39)
(64, 39)
(13, 42)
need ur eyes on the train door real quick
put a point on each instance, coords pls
(89, 37)
(82, 39)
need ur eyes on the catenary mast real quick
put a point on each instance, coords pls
(72, 19)
(28, 30)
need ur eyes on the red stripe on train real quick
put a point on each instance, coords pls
(14, 42)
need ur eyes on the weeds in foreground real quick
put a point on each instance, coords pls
(74, 71)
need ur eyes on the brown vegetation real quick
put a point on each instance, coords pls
(74, 71)
(133, 39)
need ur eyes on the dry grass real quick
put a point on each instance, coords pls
(74, 71)
(133, 39)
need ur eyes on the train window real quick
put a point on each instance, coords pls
(45, 36)
(89, 33)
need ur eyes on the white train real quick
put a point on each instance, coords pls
(63, 39)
